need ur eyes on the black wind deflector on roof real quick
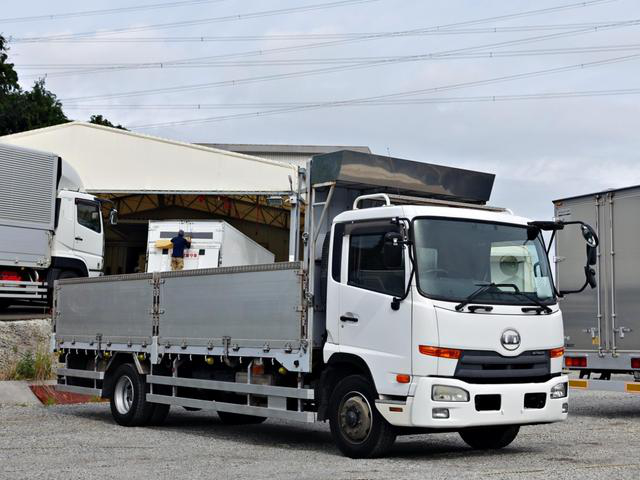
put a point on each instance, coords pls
(395, 175)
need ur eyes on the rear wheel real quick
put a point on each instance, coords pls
(490, 438)
(129, 406)
(356, 425)
(230, 418)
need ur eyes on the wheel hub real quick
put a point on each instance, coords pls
(355, 417)
(123, 395)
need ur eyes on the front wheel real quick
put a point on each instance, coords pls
(357, 427)
(129, 405)
(490, 438)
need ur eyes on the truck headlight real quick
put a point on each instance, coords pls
(445, 393)
(559, 390)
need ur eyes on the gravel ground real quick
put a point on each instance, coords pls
(601, 439)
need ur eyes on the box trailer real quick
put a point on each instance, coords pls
(49, 228)
(399, 319)
(214, 243)
(602, 327)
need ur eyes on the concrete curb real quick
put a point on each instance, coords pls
(19, 393)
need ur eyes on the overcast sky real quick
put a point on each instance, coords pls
(540, 149)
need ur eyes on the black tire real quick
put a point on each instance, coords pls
(357, 427)
(158, 415)
(129, 406)
(229, 418)
(490, 438)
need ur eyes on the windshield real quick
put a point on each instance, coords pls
(455, 257)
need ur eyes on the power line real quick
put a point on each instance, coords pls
(410, 93)
(207, 21)
(316, 36)
(401, 33)
(326, 70)
(107, 11)
(412, 101)
(338, 60)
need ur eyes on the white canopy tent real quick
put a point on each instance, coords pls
(117, 161)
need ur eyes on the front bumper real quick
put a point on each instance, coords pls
(418, 409)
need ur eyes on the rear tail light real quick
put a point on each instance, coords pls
(9, 276)
(635, 363)
(556, 352)
(440, 352)
(575, 362)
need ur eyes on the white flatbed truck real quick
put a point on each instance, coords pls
(393, 323)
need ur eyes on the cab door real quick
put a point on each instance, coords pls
(88, 235)
(368, 326)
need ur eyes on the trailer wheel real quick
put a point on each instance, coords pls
(229, 418)
(357, 427)
(129, 406)
(490, 438)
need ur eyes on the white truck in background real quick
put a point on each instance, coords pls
(416, 309)
(49, 228)
(214, 243)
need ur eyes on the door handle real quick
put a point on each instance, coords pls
(349, 318)
(79, 239)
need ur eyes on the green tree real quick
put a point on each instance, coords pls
(100, 120)
(25, 110)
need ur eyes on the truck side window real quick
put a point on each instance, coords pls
(338, 234)
(89, 215)
(367, 269)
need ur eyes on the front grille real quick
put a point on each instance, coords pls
(477, 366)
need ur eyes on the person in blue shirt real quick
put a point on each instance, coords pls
(177, 255)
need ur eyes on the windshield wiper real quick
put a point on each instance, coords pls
(540, 305)
(484, 288)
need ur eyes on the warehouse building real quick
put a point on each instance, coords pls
(154, 178)
(293, 154)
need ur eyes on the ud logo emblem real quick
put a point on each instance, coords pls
(510, 339)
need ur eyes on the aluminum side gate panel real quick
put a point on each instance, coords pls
(237, 307)
(104, 310)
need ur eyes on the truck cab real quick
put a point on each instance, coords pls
(453, 346)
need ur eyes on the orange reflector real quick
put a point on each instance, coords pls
(632, 387)
(579, 383)
(575, 361)
(395, 409)
(635, 363)
(439, 352)
(403, 378)
(257, 369)
(556, 352)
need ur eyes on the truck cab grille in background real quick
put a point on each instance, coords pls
(491, 367)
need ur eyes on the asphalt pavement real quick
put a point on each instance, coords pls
(601, 439)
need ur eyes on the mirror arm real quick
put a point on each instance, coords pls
(562, 293)
(395, 303)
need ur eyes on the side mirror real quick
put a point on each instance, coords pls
(592, 255)
(590, 273)
(392, 251)
(589, 235)
(113, 217)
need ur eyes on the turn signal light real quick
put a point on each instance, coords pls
(635, 363)
(556, 352)
(439, 352)
(575, 361)
(403, 378)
